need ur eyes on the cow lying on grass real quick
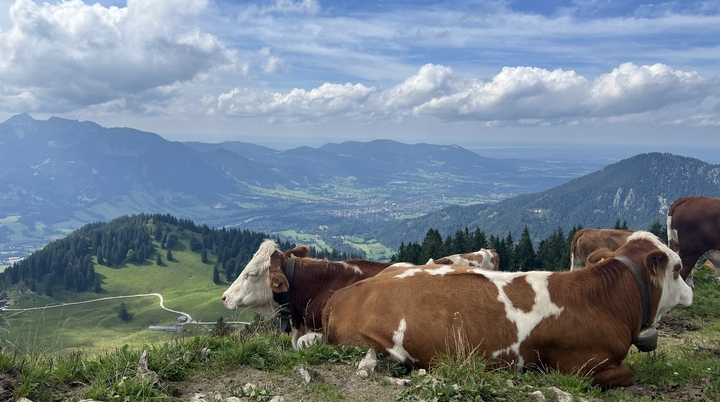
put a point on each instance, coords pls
(585, 242)
(581, 321)
(483, 258)
(289, 282)
(274, 278)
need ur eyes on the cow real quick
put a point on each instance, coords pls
(582, 321)
(693, 230)
(483, 258)
(266, 285)
(585, 242)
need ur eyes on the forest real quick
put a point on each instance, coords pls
(150, 239)
(139, 239)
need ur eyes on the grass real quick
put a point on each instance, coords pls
(78, 352)
(185, 284)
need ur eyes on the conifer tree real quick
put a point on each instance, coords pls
(216, 275)
(123, 313)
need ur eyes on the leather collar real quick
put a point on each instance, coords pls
(646, 341)
(284, 324)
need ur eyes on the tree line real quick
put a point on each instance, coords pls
(141, 239)
(144, 240)
(550, 254)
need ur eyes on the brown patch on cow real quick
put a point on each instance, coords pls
(521, 294)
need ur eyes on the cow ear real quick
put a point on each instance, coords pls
(278, 282)
(656, 259)
(599, 255)
(298, 252)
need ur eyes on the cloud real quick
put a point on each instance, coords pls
(528, 95)
(60, 57)
(328, 100)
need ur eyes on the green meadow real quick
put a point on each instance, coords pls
(185, 284)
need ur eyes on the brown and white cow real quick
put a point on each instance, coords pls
(585, 242)
(693, 229)
(263, 285)
(483, 258)
(581, 321)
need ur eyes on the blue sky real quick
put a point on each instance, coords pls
(286, 73)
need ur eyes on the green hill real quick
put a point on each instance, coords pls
(125, 261)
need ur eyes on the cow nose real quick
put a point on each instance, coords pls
(223, 298)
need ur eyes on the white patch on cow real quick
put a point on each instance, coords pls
(408, 273)
(252, 288)
(675, 291)
(402, 264)
(672, 234)
(440, 270)
(398, 352)
(444, 269)
(353, 267)
(525, 322)
(487, 261)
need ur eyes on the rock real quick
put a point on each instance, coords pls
(538, 396)
(305, 375)
(142, 369)
(561, 396)
(398, 381)
(369, 362)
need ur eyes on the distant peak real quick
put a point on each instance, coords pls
(22, 118)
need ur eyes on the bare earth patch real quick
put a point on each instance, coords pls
(329, 382)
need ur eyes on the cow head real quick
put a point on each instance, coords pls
(663, 266)
(262, 278)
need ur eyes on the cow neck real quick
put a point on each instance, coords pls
(646, 341)
(284, 324)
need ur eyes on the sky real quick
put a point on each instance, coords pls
(286, 73)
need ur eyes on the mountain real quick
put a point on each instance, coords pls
(57, 175)
(637, 190)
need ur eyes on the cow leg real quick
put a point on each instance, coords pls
(613, 376)
(714, 257)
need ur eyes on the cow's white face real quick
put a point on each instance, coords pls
(675, 292)
(255, 286)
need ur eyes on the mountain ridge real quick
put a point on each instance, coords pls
(58, 174)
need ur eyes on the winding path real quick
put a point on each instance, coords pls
(162, 304)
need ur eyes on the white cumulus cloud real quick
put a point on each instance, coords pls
(72, 55)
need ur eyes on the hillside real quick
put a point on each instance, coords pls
(57, 175)
(637, 190)
(137, 260)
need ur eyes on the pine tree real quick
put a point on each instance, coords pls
(158, 259)
(168, 255)
(525, 258)
(123, 313)
(216, 275)
(658, 230)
